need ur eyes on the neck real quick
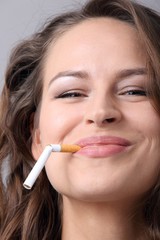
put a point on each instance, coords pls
(94, 221)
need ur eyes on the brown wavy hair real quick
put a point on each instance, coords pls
(36, 214)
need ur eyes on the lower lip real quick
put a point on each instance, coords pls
(102, 150)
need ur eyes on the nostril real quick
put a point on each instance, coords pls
(90, 121)
(109, 120)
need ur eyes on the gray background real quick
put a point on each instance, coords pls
(20, 18)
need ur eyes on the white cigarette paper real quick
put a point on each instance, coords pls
(33, 175)
(30, 180)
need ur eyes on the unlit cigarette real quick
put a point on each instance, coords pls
(33, 175)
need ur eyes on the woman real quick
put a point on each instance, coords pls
(91, 78)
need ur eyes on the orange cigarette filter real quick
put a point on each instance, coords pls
(70, 148)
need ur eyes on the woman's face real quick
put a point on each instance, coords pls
(94, 95)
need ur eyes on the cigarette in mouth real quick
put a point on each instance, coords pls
(33, 175)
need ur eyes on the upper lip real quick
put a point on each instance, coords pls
(103, 140)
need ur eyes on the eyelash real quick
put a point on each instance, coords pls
(71, 95)
(74, 94)
(135, 92)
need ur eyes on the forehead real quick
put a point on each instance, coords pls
(95, 29)
(93, 37)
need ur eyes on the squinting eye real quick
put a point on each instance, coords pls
(136, 92)
(70, 95)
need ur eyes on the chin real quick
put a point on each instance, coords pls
(92, 195)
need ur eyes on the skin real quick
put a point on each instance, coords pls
(99, 191)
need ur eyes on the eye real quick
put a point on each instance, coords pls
(71, 94)
(135, 92)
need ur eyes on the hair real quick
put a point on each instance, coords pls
(36, 214)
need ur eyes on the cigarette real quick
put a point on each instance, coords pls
(33, 175)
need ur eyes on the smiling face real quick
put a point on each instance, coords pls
(94, 95)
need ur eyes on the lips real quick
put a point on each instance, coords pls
(102, 146)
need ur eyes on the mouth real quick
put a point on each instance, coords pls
(102, 146)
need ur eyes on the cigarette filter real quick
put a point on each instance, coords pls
(33, 175)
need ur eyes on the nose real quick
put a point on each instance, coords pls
(103, 111)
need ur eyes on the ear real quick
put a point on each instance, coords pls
(36, 146)
(36, 143)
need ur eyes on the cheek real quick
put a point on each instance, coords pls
(144, 120)
(146, 125)
(56, 123)
(56, 169)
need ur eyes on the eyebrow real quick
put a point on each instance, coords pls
(125, 73)
(76, 74)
